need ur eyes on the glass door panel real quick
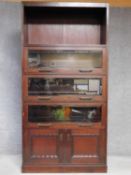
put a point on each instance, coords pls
(81, 61)
(64, 86)
(40, 113)
(65, 59)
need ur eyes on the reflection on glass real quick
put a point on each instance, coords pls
(61, 86)
(55, 114)
(64, 59)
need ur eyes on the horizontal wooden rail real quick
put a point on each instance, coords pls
(114, 3)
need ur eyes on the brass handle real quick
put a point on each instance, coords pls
(85, 70)
(44, 124)
(84, 124)
(85, 98)
(44, 98)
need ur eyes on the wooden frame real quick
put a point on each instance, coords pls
(70, 72)
(113, 3)
(68, 125)
(65, 146)
(72, 98)
(100, 29)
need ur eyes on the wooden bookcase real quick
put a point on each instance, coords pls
(64, 87)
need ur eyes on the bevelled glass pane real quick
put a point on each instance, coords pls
(64, 86)
(65, 59)
(39, 113)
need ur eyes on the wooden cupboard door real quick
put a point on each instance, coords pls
(86, 146)
(41, 146)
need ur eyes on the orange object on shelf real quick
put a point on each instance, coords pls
(67, 112)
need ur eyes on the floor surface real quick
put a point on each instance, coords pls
(11, 165)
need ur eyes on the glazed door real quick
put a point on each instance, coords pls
(59, 89)
(67, 61)
(40, 114)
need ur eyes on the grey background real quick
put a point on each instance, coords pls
(119, 113)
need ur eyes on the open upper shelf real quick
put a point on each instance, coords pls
(63, 25)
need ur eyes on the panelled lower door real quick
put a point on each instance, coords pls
(65, 146)
(85, 146)
(43, 146)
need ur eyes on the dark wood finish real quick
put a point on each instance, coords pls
(100, 48)
(50, 28)
(57, 33)
(68, 125)
(67, 98)
(65, 146)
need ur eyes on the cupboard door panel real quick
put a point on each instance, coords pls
(43, 146)
(86, 146)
